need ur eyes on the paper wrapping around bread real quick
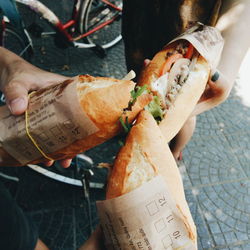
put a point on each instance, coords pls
(207, 40)
(209, 43)
(145, 156)
(101, 102)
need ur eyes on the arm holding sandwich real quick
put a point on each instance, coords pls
(146, 32)
(237, 42)
(222, 79)
(18, 78)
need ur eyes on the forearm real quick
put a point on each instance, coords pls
(204, 106)
(237, 39)
(233, 26)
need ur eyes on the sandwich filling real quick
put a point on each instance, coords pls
(173, 75)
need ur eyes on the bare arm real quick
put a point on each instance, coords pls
(237, 41)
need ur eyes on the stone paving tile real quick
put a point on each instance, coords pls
(205, 241)
(116, 64)
(48, 56)
(241, 149)
(210, 160)
(85, 61)
(185, 178)
(226, 209)
(207, 125)
(233, 115)
(70, 61)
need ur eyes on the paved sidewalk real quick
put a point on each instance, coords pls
(216, 172)
(215, 166)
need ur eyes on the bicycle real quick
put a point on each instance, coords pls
(93, 24)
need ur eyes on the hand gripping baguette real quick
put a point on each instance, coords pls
(145, 155)
(103, 100)
(177, 75)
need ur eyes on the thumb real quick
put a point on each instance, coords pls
(16, 96)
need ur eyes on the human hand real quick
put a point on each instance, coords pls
(18, 78)
(217, 88)
(216, 92)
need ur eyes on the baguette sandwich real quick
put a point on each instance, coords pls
(144, 156)
(103, 100)
(177, 76)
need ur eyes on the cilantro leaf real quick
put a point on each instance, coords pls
(125, 124)
(138, 91)
(154, 107)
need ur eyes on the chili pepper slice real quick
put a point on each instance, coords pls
(190, 51)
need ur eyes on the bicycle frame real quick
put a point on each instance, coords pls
(61, 28)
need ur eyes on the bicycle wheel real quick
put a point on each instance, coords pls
(96, 12)
(12, 40)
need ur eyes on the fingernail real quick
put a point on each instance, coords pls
(17, 106)
(215, 76)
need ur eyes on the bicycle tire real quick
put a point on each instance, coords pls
(59, 174)
(94, 12)
(13, 41)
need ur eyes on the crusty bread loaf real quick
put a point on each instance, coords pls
(187, 98)
(103, 100)
(145, 155)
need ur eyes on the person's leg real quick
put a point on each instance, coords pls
(182, 138)
(95, 242)
(17, 232)
(41, 246)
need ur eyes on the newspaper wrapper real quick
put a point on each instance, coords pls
(55, 120)
(146, 218)
(207, 40)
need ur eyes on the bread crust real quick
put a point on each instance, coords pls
(104, 106)
(134, 167)
(186, 99)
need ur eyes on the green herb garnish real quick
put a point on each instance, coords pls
(154, 107)
(135, 93)
(125, 124)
